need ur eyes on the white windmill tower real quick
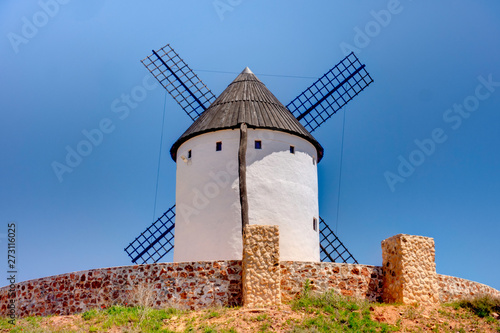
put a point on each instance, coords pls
(246, 159)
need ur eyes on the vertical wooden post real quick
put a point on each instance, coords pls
(242, 162)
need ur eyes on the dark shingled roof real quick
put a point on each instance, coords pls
(246, 100)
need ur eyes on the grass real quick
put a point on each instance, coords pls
(212, 314)
(411, 312)
(138, 318)
(260, 317)
(311, 312)
(482, 306)
(336, 313)
(130, 319)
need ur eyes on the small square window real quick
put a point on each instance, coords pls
(189, 153)
(314, 160)
(218, 146)
(292, 150)
(315, 224)
(258, 144)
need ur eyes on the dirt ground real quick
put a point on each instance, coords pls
(283, 319)
(436, 319)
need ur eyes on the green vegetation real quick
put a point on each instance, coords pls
(212, 314)
(482, 306)
(336, 313)
(142, 318)
(132, 319)
(260, 317)
(311, 312)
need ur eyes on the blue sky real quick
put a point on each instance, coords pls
(432, 113)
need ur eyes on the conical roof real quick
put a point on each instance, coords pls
(246, 100)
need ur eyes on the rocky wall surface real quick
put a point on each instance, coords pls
(189, 285)
(184, 285)
(453, 288)
(409, 270)
(261, 266)
(361, 281)
(196, 285)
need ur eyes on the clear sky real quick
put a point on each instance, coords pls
(421, 145)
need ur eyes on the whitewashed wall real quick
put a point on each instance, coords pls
(282, 190)
(208, 218)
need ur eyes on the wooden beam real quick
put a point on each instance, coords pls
(242, 163)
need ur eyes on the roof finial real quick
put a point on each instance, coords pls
(247, 71)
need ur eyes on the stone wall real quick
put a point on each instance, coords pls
(361, 281)
(196, 285)
(185, 285)
(261, 266)
(452, 288)
(409, 270)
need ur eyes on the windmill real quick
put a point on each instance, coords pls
(303, 115)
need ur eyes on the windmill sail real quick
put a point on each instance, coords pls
(312, 108)
(330, 92)
(155, 242)
(179, 80)
(331, 248)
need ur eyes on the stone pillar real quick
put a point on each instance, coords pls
(409, 270)
(261, 266)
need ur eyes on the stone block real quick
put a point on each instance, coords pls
(409, 270)
(261, 266)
